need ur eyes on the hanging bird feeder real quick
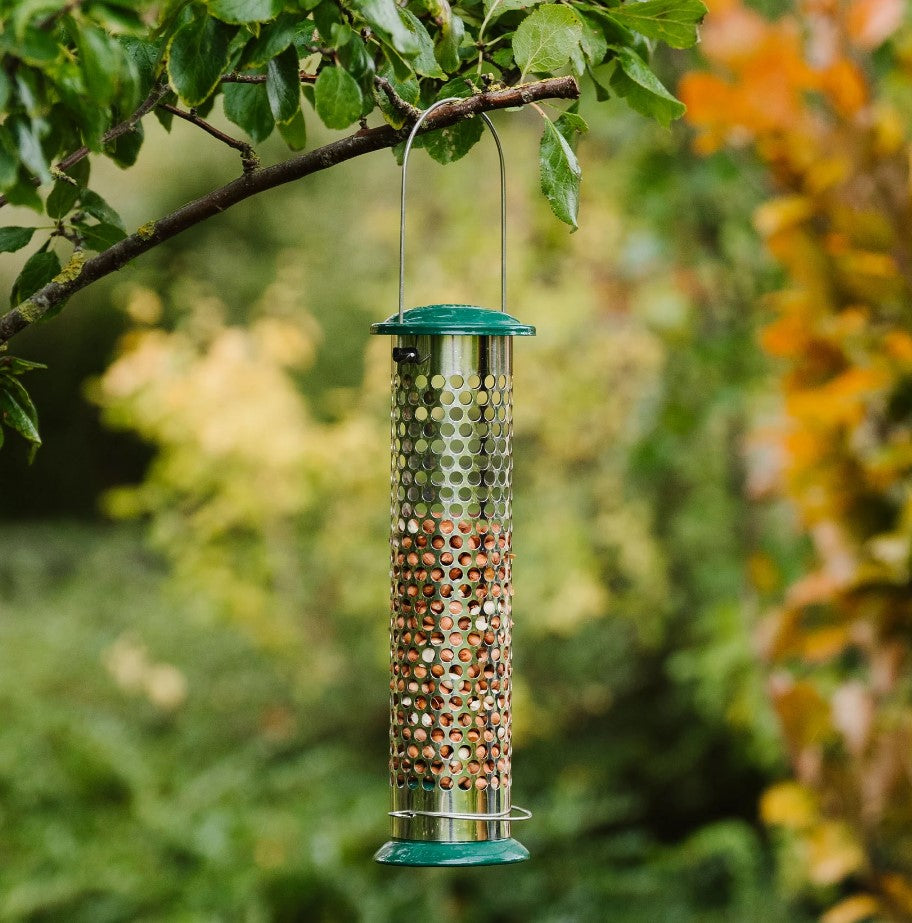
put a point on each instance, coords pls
(451, 601)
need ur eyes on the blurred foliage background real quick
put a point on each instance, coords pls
(711, 519)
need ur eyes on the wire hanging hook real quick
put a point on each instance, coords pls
(503, 203)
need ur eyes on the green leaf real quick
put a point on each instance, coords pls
(424, 62)
(671, 21)
(327, 18)
(146, 56)
(448, 144)
(99, 61)
(37, 46)
(304, 37)
(21, 396)
(495, 8)
(66, 191)
(452, 34)
(93, 204)
(545, 40)
(399, 66)
(30, 151)
(283, 85)
(356, 59)
(13, 365)
(560, 175)
(124, 149)
(294, 131)
(13, 414)
(38, 270)
(92, 120)
(593, 41)
(644, 91)
(197, 59)
(99, 236)
(338, 98)
(12, 238)
(240, 11)
(273, 39)
(383, 16)
(23, 192)
(612, 31)
(9, 160)
(570, 124)
(118, 16)
(247, 105)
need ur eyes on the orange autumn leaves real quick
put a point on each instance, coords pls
(764, 71)
(802, 93)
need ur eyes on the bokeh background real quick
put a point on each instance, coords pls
(713, 520)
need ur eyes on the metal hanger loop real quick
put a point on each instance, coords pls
(503, 203)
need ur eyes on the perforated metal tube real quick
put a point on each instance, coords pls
(450, 629)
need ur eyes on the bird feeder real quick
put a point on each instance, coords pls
(451, 551)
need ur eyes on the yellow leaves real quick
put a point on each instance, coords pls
(832, 853)
(828, 850)
(842, 401)
(829, 171)
(782, 213)
(855, 909)
(803, 713)
(889, 130)
(874, 265)
(788, 804)
(798, 92)
(899, 892)
(898, 345)
(792, 637)
(844, 84)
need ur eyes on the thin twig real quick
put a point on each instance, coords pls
(127, 125)
(248, 156)
(361, 142)
(234, 77)
(401, 106)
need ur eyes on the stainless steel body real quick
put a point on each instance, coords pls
(450, 628)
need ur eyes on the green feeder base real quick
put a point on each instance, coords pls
(430, 852)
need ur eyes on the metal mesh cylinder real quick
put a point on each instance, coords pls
(450, 628)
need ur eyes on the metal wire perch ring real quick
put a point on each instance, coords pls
(524, 814)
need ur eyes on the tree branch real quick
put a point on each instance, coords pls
(248, 156)
(77, 276)
(404, 108)
(303, 76)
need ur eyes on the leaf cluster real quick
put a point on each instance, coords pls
(77, 80)
(17, 411)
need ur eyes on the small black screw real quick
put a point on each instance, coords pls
(405, 354)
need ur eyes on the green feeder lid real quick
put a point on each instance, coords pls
(422, 852)
(459, 319)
